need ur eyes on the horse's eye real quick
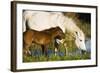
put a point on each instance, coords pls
(80, 40)
(76, 33)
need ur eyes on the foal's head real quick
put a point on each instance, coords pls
(57, 33)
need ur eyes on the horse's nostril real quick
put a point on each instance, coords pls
(83, 51)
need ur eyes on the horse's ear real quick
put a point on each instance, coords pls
(76, 34)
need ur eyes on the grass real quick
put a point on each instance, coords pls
(37, 55)
(52, 57)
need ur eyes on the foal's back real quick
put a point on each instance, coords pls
(42, 37)
(55, 32)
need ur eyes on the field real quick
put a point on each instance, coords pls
(52, 57)
(71, 52)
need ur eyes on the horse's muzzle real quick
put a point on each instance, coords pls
(83, 51)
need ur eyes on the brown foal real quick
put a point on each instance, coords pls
(42, 38)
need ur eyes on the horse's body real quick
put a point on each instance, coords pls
(42, 38)
(41, 20)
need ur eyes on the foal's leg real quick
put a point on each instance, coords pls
(27, 41)
(56, 46)
(26, 50)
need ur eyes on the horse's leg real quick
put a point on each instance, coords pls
(66, 49)
(44, 50)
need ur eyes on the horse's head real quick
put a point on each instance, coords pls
(70, 26)
(80, 41)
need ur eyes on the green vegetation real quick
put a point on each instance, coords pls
(55, 58)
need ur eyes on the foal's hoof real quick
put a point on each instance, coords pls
(27, 53)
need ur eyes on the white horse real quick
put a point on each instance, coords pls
(41, 20)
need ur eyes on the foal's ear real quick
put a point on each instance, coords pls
(57, 27)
